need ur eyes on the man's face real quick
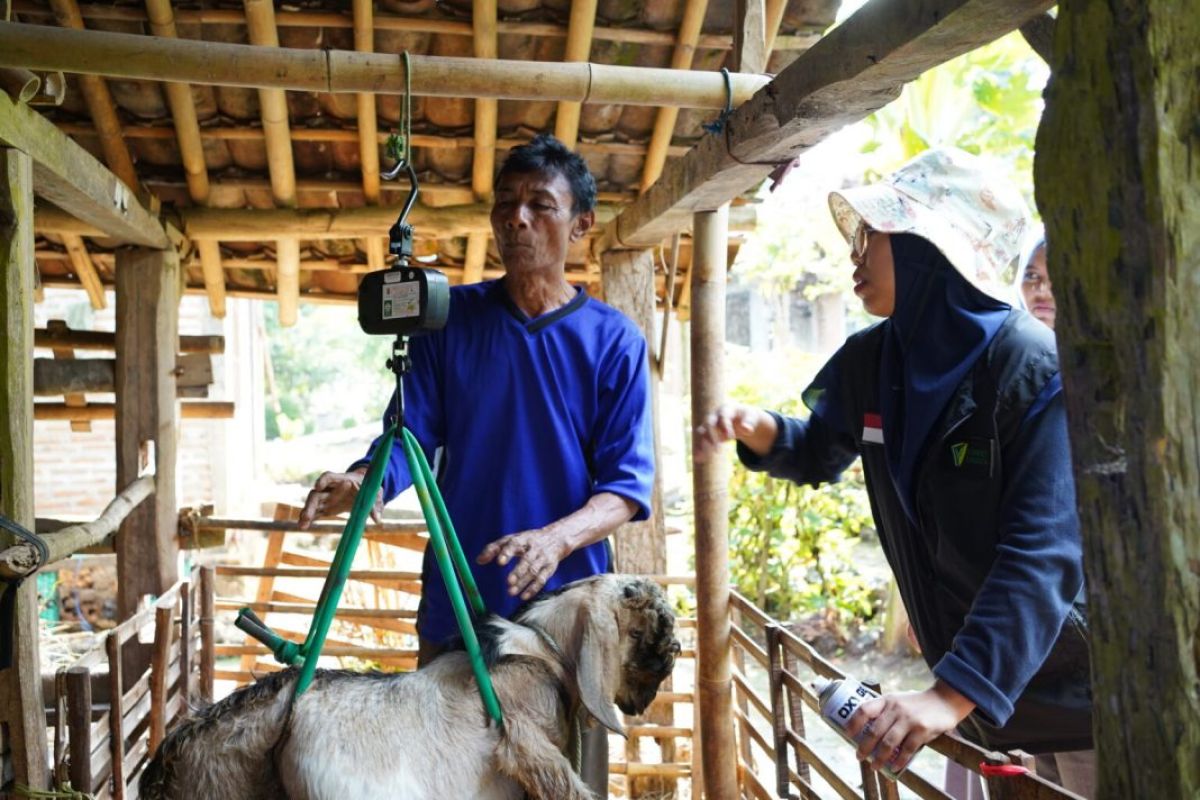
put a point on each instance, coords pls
(533, 221)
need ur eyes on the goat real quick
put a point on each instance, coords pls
(424, 735)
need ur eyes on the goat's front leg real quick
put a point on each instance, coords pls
(526, 754)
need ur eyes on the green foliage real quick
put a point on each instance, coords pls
(791, 547)
(326, 373)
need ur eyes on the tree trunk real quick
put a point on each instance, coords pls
(1118, 163)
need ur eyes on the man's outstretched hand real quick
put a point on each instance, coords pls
(539, 552)
(333, 493)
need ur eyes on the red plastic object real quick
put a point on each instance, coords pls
(1001, 770)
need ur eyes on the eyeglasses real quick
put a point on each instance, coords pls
(1034, 281)
(858, 245)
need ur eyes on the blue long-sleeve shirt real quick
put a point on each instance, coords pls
(523, 421)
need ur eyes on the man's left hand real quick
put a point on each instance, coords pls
(898, 725)
(538, 553)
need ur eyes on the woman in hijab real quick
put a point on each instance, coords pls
(954, 403)
(1033, 282)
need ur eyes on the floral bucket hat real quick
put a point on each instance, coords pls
(954, 200)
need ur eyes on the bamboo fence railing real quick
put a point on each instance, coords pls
(107, 726)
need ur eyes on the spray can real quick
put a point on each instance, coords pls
(839, 700)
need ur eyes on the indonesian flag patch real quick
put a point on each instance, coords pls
(872, 429)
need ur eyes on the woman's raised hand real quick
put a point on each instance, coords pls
(751, 426)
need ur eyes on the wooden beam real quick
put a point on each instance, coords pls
(710, 481)
(57, 376)
(100, 105)
(476, 258)
(483, 164)
(188, 409)
(68, 176)
(666, 117)
(1116, 179)
(22, 709)
(126, 55)
(580, 30)
(146, 347)
(53, 337)
(84, 269)
(749, 36)
(802, 40)
(859, 67)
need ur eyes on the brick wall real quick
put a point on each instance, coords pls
(75, 471)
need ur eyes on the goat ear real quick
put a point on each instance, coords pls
(596, 671)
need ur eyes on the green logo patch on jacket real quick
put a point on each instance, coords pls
(972, 455)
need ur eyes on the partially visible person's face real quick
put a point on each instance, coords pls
(1035, 286)
(533, 220)
(874, 271)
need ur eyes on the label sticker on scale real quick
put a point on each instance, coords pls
(401, 300)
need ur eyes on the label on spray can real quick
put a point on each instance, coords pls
(839, 701)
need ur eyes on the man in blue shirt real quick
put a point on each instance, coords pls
(532, 405)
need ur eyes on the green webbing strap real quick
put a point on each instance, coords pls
(451, 558)
(446, 548)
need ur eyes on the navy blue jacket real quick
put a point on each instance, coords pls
(990, 566)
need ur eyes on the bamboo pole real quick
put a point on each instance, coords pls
(665, 119)
(194, 409)
(106, 340)
(476, 258)
(345, 135)
(21, 84)
(386, 22)
(260, 25)
(183, 109)
(710, 481)
(84, 269)
(20, 559)
(191, 150)
(209, 253)
(368, 123)
(207, 650)
(100, 103)
(124, 55)
(483, 165)
(580, 30)
(52, 92)
(287, 280)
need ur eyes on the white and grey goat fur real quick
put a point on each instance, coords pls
(424, 735)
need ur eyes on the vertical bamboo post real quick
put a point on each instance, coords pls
(476, 258)
(79, 726)
(22, 708)
(664, 120)
(207, 644)
(580, 28)
(711, 502)
(287, 280)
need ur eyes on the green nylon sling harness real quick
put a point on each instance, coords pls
(446, 548)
